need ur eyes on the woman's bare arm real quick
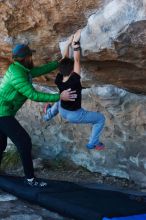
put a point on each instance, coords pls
(66, 51)
(77, 54)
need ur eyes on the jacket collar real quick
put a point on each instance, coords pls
(23, 67)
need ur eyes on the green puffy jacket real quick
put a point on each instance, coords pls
(16, 87)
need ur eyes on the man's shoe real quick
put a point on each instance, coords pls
(35, 183)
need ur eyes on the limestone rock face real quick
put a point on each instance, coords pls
(41, 24)
(114, 45)
(112, 25)
(113, 36)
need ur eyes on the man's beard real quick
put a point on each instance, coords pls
(28, 64)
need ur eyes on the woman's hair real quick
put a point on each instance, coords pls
(66, 66)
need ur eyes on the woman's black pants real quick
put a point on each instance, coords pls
(10, 127)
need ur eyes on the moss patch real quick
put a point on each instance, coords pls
(11, 159)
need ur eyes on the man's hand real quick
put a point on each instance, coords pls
(68, 95)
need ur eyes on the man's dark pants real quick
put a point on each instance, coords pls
(10, 127)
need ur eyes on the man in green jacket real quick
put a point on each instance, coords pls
(16, 87)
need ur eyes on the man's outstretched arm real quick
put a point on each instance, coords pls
(44, 69)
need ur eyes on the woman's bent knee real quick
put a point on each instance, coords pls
(101, 118)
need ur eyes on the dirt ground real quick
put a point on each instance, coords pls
(85, 177)
(64, 171)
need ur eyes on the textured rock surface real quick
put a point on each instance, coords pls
(114, 32)
(115, 24)
(40, 23)
(114, 39)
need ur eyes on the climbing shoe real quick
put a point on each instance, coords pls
(99, 146)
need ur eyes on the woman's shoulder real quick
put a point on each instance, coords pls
(59, 78)
(75, 75)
